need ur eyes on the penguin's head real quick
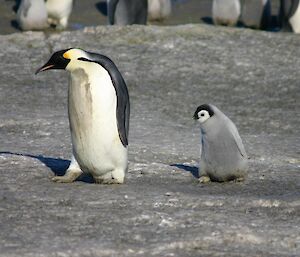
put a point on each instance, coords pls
(203, 113)
(61, 59)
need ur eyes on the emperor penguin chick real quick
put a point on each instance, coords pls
(222, 153)
(59, 12)
(98, 107)
(32, 15)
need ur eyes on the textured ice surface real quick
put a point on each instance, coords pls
(161, 210)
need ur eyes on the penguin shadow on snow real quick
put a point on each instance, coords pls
(192, 169)
(207, 20)
(272, 26)
(102, 7)
(57, 165)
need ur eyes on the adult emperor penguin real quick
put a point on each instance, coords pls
(256, 13)
(222, 154)
(289, 15)
(32, 15)
(59, 12)
(127, 12)
(98, 107)
(159, 10)
(226, 12)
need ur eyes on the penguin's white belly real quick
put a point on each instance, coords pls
(59, 9)
(32, 16)
(226, 10)
(92, 114)
(159, 9)
(153, 7)
(295, 21)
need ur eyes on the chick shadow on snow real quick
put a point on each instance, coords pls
(57, 165)
(192, 169)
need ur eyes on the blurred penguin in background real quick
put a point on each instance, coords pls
(127, 12)
(226, 12)
(256, 14)
(158, 10)
(289, 15)
(32, 15)
(59, 12)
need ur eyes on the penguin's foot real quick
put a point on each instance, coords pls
(62, 24)
(204, 179)
(52, 21)
(69, 177)
(114, 177)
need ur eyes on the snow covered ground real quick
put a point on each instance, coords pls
(161, 210)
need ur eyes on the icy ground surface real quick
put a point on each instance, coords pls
(161, 210)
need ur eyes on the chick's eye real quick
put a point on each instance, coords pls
(202, 114)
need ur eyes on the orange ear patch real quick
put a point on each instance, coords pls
(66, 55)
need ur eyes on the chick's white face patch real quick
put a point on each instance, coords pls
(203, 115)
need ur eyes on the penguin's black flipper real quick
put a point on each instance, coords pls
(123, 105)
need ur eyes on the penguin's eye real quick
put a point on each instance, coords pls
(202, 114)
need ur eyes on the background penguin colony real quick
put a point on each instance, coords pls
(256, 14)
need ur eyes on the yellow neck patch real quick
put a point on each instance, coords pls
(66, 55)
(73, 54)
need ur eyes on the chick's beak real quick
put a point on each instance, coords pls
(195, 116)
